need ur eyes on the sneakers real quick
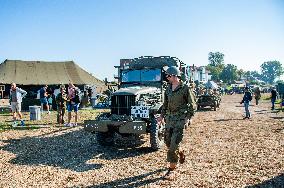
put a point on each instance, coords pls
(48, 112)
(14, 124)
(67, 124)
(70, 124)
(22, 123)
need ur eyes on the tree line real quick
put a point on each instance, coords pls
(228, 73)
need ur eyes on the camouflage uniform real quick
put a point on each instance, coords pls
(257, 95)
(178, 106)
(61, 99)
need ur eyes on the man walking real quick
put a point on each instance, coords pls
(178, 108)
(16, 95)
(273, 97)
(257, 95)
(246, 100)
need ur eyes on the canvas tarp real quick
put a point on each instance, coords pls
(211, 84)
(41, 73)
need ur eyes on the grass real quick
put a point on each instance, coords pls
(46, 120)
(8, 126)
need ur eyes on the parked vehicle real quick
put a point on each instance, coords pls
(137, 103)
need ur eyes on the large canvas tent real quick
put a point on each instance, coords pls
(41, 73)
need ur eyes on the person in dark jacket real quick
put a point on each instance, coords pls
(273, 97)
(246, 100)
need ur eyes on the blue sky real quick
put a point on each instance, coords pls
(96, 34)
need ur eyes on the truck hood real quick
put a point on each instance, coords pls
(136, 90)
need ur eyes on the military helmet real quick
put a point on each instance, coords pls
(173, 70)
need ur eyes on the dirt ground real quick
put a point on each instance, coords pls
(223, 150)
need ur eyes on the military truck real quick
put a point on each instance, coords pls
(207, 100)
(137, 103)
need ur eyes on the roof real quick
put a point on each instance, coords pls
(211, 84)
(41, 73)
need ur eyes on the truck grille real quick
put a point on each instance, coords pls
(121, 104)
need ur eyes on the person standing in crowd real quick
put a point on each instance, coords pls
(49, 100)
(178, 108)
(61, 100)
(273, 97)
(257, 95)
(43, 98)
(73, 103)
(246, 100)
(85, 99)
(16, 95)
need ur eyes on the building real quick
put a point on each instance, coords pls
(200, 74)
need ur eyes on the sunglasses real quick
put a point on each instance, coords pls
(168, 76)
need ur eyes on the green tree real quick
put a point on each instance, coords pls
(240, 73)
(247, 74)
(256, 75)
(216, 58)
(271, 70)
(229, 73)
(216, 64)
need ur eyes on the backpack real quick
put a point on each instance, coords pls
(76, 99)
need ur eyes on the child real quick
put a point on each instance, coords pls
(49, 100)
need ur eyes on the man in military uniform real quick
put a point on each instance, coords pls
(61, 100)
(257, 95)
(178, 107)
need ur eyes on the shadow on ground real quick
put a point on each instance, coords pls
(273, 117)
(66, 149)
(206, 109)
(135, 181)
(276, 182)
(233, 119)
(261, 110)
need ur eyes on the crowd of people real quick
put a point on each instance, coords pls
(65, 100)
(248, 95)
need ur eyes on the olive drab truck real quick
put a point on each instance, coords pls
(136, 105)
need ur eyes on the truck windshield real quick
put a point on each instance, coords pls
(141, 75)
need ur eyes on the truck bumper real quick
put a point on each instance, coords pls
(136, 127)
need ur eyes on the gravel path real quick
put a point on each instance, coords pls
(223, 150)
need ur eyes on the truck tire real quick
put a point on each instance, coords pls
(156, 135)
(105, 139)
